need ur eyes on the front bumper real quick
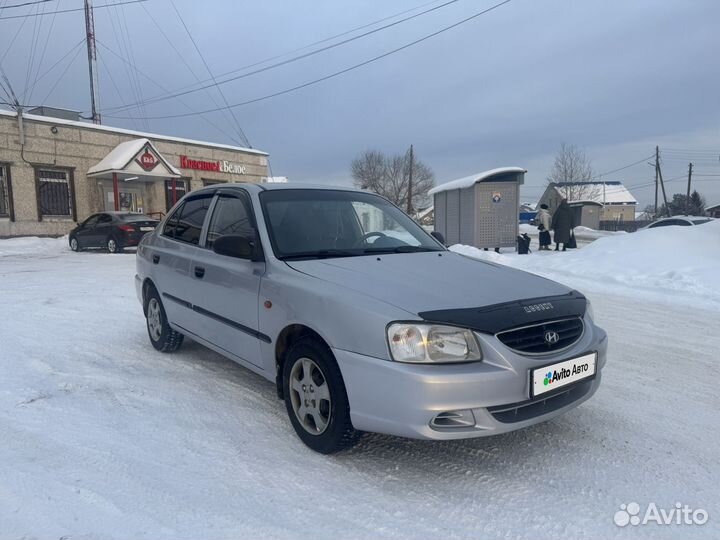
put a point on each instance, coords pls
(402, 399)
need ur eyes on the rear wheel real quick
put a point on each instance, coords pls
(315, 397)
(113, 246)
(74, 244)
(162, 337)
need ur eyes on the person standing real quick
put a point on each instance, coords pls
(544, 225)
(563, 221)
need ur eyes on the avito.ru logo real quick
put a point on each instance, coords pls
(680, 514)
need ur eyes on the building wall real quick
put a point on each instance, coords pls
(76, 149)
(624, 212)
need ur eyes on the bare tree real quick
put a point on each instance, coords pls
(389, 176)
(572, 167)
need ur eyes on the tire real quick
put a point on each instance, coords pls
(162, 337)
(74, 244)
(322, 423)
(113, 246)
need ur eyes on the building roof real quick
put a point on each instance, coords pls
(602, 192)
(123, 154)
(99, 127)
(713, 207)
(468, 181)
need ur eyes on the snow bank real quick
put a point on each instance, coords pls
(33, 245)
(585, 233)
(677, 260)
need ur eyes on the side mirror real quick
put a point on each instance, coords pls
(235, 245)
(439, 237)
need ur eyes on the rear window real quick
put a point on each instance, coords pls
(134, 217)
(186, 222)
(700, 221)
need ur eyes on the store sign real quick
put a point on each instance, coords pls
(147, 160)
(497, 197)
(212, 166)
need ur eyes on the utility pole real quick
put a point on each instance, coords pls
(687, 199)
(657, 167)
(662, 186)
(92, 61)
(410, 185)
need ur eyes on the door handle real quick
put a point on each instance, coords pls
(199, 272)
(156, 259)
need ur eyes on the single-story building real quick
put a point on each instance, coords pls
(56, 171)
(615, 200)
(713, 211)
(426, 216)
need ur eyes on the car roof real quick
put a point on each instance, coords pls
(258, 188)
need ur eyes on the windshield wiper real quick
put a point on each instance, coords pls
(400, 249)
(320, 254)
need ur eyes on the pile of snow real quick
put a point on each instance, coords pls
(669, 260)
(33, 245)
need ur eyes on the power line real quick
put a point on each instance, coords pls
(269, 59)
(161, 87)
(644, 160)
(342, 71)
(27, 4)
(57, 81)
(207, 67)
(300, 57)
(70, 10)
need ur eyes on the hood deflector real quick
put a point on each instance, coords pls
(508, 315)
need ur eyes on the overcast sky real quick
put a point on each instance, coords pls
(613, 77)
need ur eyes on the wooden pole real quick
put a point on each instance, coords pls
(410, 185)
(657, 166)
(687, 198)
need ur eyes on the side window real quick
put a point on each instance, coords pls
(172, 222)
(90, 222)
(231, 216)
(191, 219)
(104, 219)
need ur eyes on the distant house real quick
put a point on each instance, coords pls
(713, 211)
(426, 216)
(612, 200)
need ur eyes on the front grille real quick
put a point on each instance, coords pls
(531, 339)
(527, 410)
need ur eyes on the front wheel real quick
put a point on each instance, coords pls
(315, 398)
(74, 244)
(162, 337)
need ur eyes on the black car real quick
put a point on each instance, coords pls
(112, 231)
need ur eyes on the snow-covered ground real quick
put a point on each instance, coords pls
(102, 437)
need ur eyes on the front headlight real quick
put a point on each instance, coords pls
(589, 311)
(431, 343)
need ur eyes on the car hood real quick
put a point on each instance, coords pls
(418, 282)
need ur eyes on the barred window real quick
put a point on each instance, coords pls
(54, 196)
(4, 192)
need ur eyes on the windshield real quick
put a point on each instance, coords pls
(314, 223)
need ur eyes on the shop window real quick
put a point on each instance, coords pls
(6, 209)
(180, 191)
(55, 193)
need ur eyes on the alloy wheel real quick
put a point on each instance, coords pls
(111, 245)
(154, 319)
(74, 244)
(310, 396)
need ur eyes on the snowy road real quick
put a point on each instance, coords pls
(102, 437)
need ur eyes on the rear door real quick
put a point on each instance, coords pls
(103, 230)
(172, 255)
(225, 289)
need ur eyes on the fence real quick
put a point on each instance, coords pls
(627, 226)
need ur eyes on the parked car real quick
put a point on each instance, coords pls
(683, 221)
(364, 321)
(113, 231)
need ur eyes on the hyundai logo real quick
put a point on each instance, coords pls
(551, 337)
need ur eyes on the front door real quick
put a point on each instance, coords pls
(225, 289)
(84, 234)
